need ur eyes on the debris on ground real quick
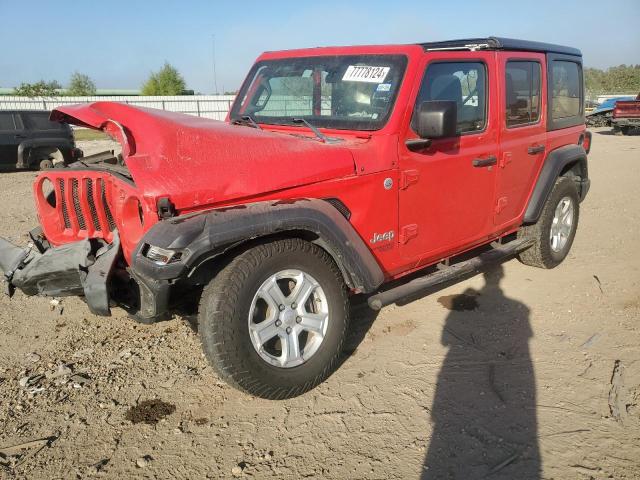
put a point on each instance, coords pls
(61, 372)
(590, 341)
(98, 466)
(149, 412)
(143, 462)
(617, 405)
(30, 381)
(238, 469)
(599, 283)
(15, 455)
(459, 303)
(79, 380)
(32, 357)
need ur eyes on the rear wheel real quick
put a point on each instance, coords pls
(273, 321)
(554, 232)
(46, 164)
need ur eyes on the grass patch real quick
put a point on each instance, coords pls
(89, 134)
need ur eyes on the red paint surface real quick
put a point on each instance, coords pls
(202, 164)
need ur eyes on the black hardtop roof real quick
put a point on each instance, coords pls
(499, 43)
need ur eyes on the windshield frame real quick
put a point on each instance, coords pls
(401, 60)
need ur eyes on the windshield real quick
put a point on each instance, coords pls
(354, 92)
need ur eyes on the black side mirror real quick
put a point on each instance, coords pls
(434, 119)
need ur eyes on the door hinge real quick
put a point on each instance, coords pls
(408, 177)
(500, 204)
(408, 232)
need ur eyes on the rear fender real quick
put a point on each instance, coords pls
(557, 162)
(59, 143)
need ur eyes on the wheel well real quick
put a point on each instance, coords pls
(37, 154)
(209, 266)
(576, 171)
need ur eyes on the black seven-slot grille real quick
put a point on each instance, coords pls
(94, 202)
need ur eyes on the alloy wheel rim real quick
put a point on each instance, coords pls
(288, 318)
(562, 224)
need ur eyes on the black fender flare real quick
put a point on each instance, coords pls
(554, 164)
(59, 143)
(205, 235)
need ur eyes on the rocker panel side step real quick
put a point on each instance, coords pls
(448, 273)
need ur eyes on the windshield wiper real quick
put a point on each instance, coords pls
(321, 136)
(247, 120)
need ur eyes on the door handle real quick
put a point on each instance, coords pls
(20, 136)
(485, 162)
(535, 149)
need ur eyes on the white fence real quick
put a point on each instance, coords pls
(209, 106)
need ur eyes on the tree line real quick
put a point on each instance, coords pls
(620, 79)
(166, 81)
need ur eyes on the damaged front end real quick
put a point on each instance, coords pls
(81, 268)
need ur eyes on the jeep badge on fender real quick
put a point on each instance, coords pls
(382, 237)
(262, 223)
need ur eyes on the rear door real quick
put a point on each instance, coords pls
(12, 133)
(447, 190)
(522, 133)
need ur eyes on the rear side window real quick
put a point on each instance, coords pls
(42, 122)
(462, 82)
(522, 89)
(7, 122)
(565, 89)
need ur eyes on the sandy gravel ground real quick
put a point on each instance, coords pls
(523, 373)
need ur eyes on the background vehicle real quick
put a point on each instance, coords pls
(601, 115)
(28, 139)
(626, 116)
(338, 171)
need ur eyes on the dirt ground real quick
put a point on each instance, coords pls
(521, 373)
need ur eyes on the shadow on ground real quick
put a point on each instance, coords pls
(632, 132)
(484, 409)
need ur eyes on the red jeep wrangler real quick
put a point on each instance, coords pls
(337, 171)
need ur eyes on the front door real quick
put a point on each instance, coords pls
(522, 133)
(447, 189)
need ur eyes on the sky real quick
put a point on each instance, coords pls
(118, 43)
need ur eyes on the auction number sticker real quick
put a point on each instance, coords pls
(365, 73)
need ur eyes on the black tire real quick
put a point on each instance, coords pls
(224, 314)
(541, 254)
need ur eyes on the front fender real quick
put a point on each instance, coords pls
(205, 235)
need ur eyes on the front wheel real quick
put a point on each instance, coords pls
(273, 321)
(555, 230)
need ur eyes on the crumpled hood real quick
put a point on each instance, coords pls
(197, 161)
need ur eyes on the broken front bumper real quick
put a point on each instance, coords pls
(78, 268)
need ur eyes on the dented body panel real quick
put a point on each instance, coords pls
(200, 162)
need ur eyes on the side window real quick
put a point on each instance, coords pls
(41, 121)
(522, 88)
(565, 89)
(462, 82)
(6, 122)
